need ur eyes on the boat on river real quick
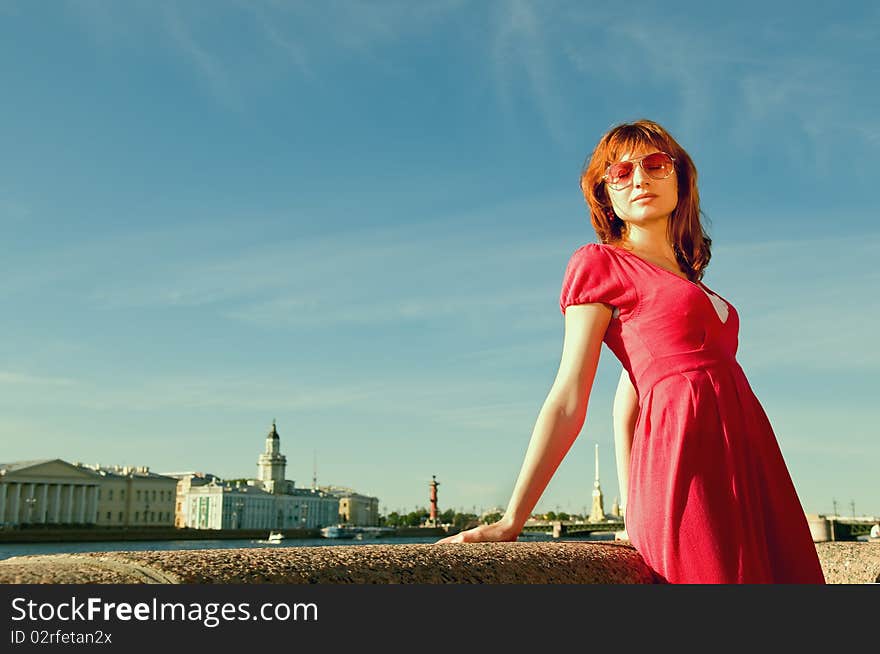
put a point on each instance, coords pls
(275, 537)
(367, 533)
(339, 531)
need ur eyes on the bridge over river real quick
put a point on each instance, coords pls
(824, 528)
(572, 528)
(841, 528)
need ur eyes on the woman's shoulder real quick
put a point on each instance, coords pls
(592, 276)
(596, 254)
(590, 262)
(605, 248)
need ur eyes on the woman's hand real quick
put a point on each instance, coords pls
(558, 425)
(500, 531)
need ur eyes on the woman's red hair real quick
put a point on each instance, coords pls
(689, 239)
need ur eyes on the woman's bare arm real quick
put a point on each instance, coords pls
(558, 424)
(625, 412)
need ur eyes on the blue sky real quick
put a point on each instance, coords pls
(354, 218)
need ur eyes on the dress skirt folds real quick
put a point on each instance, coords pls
(710, 499)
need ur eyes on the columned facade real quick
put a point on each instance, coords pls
(46, 492)
(44, 503)
(56, 504)
(16, 501)
(68, 504)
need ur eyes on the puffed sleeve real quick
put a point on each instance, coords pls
(590, 277)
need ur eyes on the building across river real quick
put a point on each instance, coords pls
(269, 501)
(52, 492)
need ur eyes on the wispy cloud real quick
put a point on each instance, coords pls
(519, 52)
(207, 64)
(870, 133)
(304, 35)
(827, 431)
(805, 303)
(25, 379)
(668, 52)
(411, 272)
(403, 396)
(292, 48)
(811, 94)
(807, 98)
(242, 393)
(172, 26)
(138, 393)
(657, 54)
(12, 211)
(316, 309)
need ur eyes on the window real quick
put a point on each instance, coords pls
(120, 516)
(154, 496)
(109, 494)
(108, 516)
(138, 496)
(137, 516)
(122, 494)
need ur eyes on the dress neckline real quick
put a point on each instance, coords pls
(654, 265)
(704, 290)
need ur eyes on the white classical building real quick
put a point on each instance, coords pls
(186, 481)
(244, 506)
(47, 492)
(268, 502)
(216, 505)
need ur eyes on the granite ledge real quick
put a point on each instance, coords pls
(564, 562)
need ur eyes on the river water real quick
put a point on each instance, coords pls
(8, 550)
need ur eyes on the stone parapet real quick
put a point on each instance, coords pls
(104, 534)
(479, 563)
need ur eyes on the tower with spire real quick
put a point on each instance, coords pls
(272, 464)
(597, 512)
(314, 470)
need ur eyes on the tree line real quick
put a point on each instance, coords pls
(460, 520)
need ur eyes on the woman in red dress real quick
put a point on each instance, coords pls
(709, 497)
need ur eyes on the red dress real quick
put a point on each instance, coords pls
(710, 499)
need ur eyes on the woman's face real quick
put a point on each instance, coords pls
(643, 198)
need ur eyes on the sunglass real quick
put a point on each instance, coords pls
(658, 165)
